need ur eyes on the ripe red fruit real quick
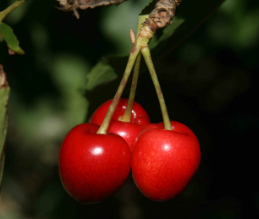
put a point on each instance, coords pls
(129, 131)
(93, 166)
(163, 161)
(138, 113)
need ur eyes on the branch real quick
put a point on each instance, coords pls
(162, 15)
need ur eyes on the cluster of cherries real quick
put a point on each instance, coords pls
(97, 157)
(93, 165)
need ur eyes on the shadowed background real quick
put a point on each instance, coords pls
(209, 82)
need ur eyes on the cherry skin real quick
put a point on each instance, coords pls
(138, 113)
(163, 161)
(129, 131)
(176, 127)
(93, 166)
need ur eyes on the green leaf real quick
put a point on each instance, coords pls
(167, 33)
(101, 73)
(4, 96)
(8, 35)
(103, 80)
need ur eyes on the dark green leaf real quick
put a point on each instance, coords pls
(167, 33)
(149, 8)
(8, 35)
(101, 73)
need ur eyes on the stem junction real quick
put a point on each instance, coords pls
(160, 17)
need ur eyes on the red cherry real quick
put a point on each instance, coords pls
(176, 126)
(163, 161)
(93, 166)
(129, 131)
(138, 113)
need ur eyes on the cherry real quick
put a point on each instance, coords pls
(138, 113)
(164, 161)
(129, 131)
(93, 166)
(176, 127)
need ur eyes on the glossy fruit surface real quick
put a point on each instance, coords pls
(129, 131)
(176, 127)
(138, 113)
(93, 166)
(163, 161)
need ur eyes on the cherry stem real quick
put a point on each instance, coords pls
(127, 114)
(139, 43)
(147, 56)
(105, 124)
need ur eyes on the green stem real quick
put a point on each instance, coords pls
(127, 114)
(141, 41)
(105, 124)
(9, 9)
(147, 56)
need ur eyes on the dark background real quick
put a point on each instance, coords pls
(210, 83)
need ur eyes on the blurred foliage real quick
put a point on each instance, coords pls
(209, 82)
(6, 33)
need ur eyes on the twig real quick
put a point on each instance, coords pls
(9, 9)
